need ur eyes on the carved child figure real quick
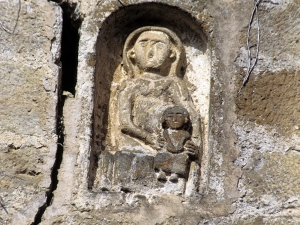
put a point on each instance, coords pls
(177, 127)
(180, 150)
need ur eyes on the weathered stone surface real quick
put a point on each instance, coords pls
(29, 79)
(137, 172)
(250, 164)
(171, 163)
(105, 174)
(143, 170)
(271, 98)
(122, 170)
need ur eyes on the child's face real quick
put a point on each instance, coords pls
(175, 120)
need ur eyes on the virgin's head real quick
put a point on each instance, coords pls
(153, 49)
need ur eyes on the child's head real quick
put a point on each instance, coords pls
(176, 117)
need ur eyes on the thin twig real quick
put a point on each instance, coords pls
(17, 20)
(121, 2)
(4, 28)
(251, 66)
(19, 10)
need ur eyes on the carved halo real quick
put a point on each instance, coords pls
(176, 66)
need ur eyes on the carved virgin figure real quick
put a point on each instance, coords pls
(158, 129)
(153, 59)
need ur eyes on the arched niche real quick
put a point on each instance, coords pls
(108, 70)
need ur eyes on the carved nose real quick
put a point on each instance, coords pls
(150, 51)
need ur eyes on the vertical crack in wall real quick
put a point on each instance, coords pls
(67, 82)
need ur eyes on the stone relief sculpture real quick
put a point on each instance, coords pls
(160, 126)
(176, 125)
(175, 140)
(153, 59)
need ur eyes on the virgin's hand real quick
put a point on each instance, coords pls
(151, 139)
(161, 142)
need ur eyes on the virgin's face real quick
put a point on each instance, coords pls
(152, 50)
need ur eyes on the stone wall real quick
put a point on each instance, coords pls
(55, 94)
(30, 75)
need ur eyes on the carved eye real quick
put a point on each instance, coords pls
(143, 43)
(160, 45)
(169, 116)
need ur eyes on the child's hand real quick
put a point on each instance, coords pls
(191, 149)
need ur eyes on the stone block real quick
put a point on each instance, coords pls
(172, 163)
(105, 168)
(122, 170)
(143, 170)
